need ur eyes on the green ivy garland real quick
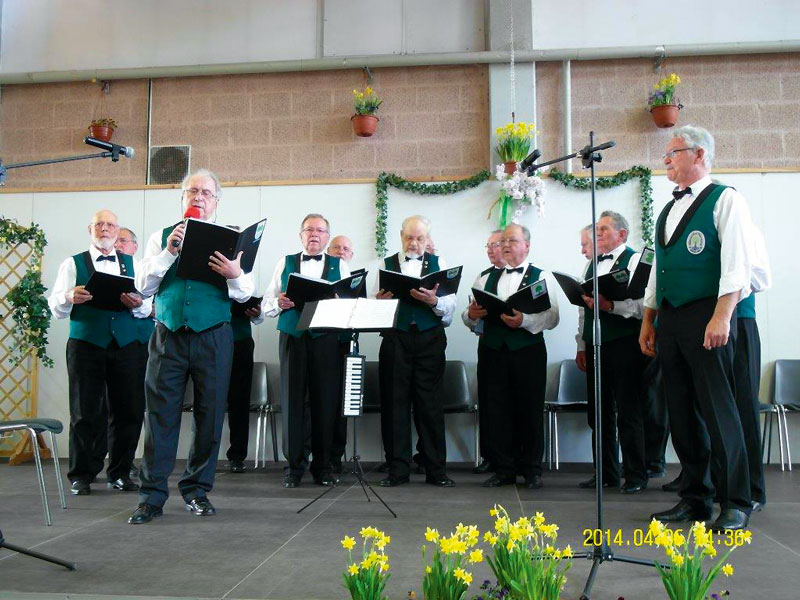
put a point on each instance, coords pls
(29, 306)
(438, 189)
(645, 191)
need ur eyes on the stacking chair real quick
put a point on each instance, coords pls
(259, 404)
(570, 396)
(34, 426)
(786, 397)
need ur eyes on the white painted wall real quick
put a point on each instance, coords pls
(460, 228)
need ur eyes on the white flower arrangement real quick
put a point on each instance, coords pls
(525, 189)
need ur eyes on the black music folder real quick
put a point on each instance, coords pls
(641, 275)
(238, 308)
(357, 314)
(401, 285)
(202, 239)
(106, 288)
(572, 288)
(302, 289)
(533, 298)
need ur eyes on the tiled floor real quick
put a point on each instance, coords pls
(257, 546)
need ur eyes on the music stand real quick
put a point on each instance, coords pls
(34, 554)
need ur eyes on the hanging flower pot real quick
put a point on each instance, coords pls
(102, 129)
(364, 125)
(665, 115)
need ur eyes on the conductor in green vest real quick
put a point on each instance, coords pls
(311, 363)
(622, 364)
(103, 360)
(192, 337)
(411, 364)
(701, 271)
(515, 367)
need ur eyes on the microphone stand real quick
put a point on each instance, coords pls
(113, 155)
(64, 563)
(601, 552)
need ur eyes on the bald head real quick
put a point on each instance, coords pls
(341, 246)
(103, 230)
(414, 235)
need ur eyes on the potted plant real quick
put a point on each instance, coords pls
(366, 579)
(663, 103)
(514, 143)
(102, 129)
(366, 104)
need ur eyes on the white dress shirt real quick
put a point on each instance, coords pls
(445, 305)
(67, 275)
(157, 262)
(732, 221)
(628, 309)
(507, 285)
(309, 268)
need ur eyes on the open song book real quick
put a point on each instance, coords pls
(106, 289)
(533, 298)
(360, 314)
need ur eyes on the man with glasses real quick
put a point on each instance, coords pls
(516, 366)
(310, 362)
(494, 251)
(103, 362)
(701, 271)
(192, 338)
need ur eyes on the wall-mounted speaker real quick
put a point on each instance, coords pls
(169, 164)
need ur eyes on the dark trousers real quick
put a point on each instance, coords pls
(340, 428)
(747, 381)
(411, 366)
(239, 398)
(98, 376)
(621, 366)
(484, 435)
(656, 420)
(699, 390)
(174, 357)
(310, 367)
(515, 389)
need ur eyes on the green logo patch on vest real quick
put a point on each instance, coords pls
(539, 289)
(621, 276)
(696, 242)
(452, 273)
(356, 282)
(259, 231)
(647, 256)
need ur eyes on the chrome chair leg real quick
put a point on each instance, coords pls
(274, 429)
(786, 436)
(258, 438)
(555, 431)
(59, 480)
(477, 440)
(42, 490)
(780, 439)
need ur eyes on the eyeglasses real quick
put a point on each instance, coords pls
(337, 248)
(104, 224)
(205, 194)
(672, 153)
(491, 245)
(124, 240)
(510, 241)
(310, 230)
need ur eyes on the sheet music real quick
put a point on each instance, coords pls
(370, 312)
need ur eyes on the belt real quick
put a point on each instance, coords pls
(186, 329)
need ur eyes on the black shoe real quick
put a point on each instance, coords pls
(325, 479)
(533, 482)
(655, 473)
(730, 519)
(632, 487)
(758, 506)
(498, 480)
(236, 466)
(383, 468)
(124, 484)
(393, 481)
(683, 512)
(145, 513)
(336, 466)
(291, 481)
(440, 480)
(672, 486)
(80, 488)
(201, 507)
(482, 468)
(592, 483)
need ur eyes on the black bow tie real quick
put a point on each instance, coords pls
(604, 257)
(678, 194)
(408, 258)
(309, 257)
(110, 257)
(517, 270)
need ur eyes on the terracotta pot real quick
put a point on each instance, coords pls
(364, 125)
(101, 132)
(510, 167)
(665, 115)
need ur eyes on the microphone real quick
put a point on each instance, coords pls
(191, 213)
(529, 160)
(125, 151)
(586, 150)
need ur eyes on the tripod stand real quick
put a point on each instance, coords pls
(40, 556)
(601, 552)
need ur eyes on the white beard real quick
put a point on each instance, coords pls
(103, 244)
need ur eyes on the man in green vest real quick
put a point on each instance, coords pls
(412, 361)
(621, 366)
(192, 338)
(701, 271)
(103, 362)
(310, 362)
(515, 368)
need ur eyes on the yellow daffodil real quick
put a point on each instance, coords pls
(384, 566)
(678, 538)
(509, 545)
(348, 542)
(677, 560)
(368, 91)
(538, 519)
(431, 535)
(476, 556)
(493, 511)
(728, 570)
(568, 551)
(428, 569)
(747, 536)
(352, 569)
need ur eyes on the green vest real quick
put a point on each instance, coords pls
(97, 326)
(612, 327)
(242, 329)
(746, 309)
(145, 328)
(408, 312)
(287, 321)
(496, 336)
(189, 303)
(689, 264)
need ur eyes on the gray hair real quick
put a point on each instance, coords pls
(589, 227)
(526, 233)
(314, 216)
(618, 220)
(204, 173)
(133, 234)
(424, 220)
(496, 231)
(697, 137)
